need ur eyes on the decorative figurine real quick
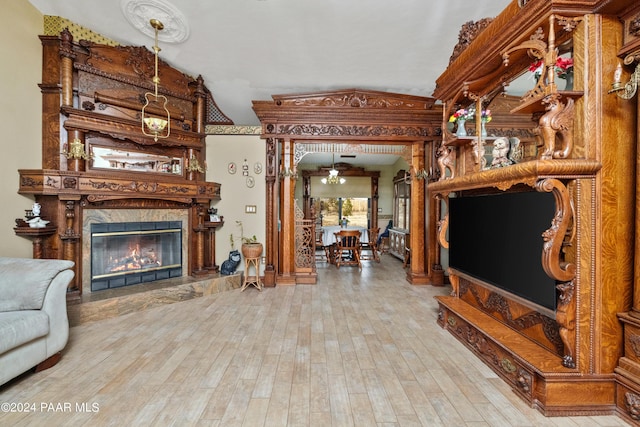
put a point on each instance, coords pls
(35, 209)
(230, 265)
(37, 222)
(500, 151)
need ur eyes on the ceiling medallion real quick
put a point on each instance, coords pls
(140, 12)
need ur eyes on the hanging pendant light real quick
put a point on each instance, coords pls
(333, 177)
(157, 127)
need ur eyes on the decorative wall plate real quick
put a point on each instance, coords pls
(257, 168)
(231, 168)
(250, 182)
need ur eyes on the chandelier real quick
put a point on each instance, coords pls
(333, 177)
(155, 126)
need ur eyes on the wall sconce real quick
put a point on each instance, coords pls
(629, 89)
(76, 151)
(193, 165)
(155, 126)
(421, 174)
(288, 173)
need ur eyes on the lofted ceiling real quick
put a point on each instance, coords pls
(251, 49)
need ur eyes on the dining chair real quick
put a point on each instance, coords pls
(348, 248)
(407, 250)
(321, 251)
(371, 245)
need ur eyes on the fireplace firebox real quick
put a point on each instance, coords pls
(129, 253)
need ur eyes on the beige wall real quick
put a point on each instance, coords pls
(235, 195)
(20, 112)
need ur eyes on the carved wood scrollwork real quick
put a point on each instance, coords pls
(524, 381)
(566, 318)
(554, 237)
(632, 401)
(634, 341)
(446, 161)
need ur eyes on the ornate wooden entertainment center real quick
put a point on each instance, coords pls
(95, 157)
(580, 146)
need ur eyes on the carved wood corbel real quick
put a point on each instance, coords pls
(557, 268)
(554, 237)
(443, 224)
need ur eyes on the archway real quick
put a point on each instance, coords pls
(409, 124)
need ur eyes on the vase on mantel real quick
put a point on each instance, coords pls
(483, 129)
(568, 77)
(461, 131)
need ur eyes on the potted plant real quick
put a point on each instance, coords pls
(250, 248)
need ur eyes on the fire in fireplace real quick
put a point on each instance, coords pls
(128, 253)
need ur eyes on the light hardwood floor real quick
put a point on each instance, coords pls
(358, 348)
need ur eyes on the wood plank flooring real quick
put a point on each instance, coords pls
(357, 349)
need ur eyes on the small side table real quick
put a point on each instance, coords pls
(38, 236)
(252, 280)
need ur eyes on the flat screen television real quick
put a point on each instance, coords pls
(498, 239)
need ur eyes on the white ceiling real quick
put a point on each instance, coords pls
(251, 49)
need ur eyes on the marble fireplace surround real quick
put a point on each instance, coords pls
(96, 216)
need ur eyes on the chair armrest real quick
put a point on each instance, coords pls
(55, 305)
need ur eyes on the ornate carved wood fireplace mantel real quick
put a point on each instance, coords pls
(95, 157)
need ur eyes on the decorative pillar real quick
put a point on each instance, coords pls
(286, 274)
(197, 248)
(200, 105)
(417, 274)
(271, 182)
(210, 245)
(306, 196)
(374, 204)
(70, 238)
(67, 56)
(433, 222)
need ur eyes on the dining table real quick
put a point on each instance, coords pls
(329, 238)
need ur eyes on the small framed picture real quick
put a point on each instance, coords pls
(257, 168)
(231, 168)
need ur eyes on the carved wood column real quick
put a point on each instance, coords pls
(200, 107)
(197, 248)
(286, 274)
(306, 196)
(66, 68)
(51, 95)
(271, 174)
(374, 204)
(436, 273)
(70, 236)
(210, 245)
(417, 274)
